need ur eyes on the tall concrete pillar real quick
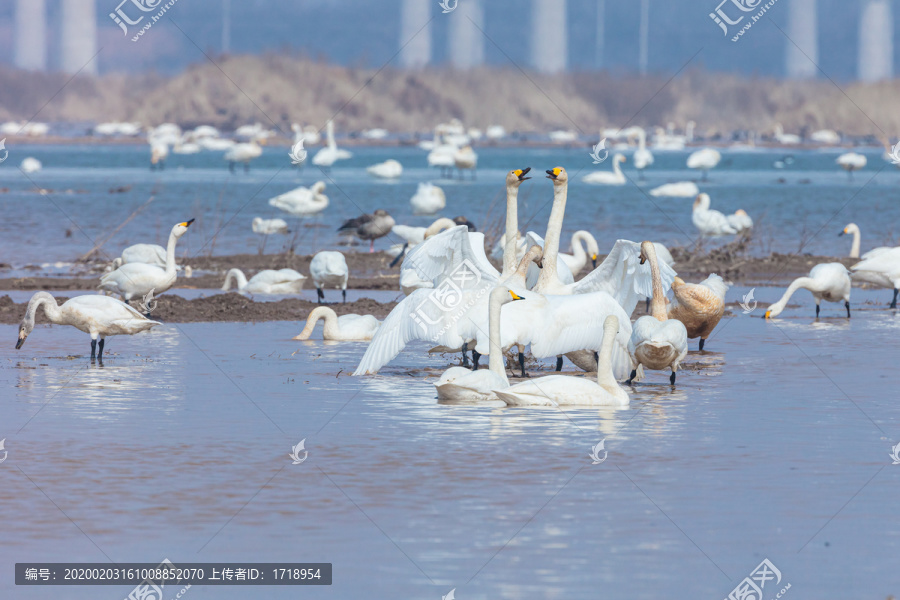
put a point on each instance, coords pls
(415, 33)
(802, 52)
(549, 36)
(466, 42)
(78, 36)
(31, 35)
(876, 41)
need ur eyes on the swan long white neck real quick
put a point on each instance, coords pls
(438, 226)
(330, 329)
(51, 309)
(642, 139)
(512, 230)
(520, 275)
(495, 362)
(170, 254)
(658, 302)
(549, 273)
(854, 249)
(807, 283)
(605, 377)
(579, 238)
(616, 169)
(239, 278)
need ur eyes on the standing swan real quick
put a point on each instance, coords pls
(346, 327)
(99, 316)
(329, 268)
(882, 269)
(704, 160)
(828, 281)
(851, 161)
(853, 229)
(642, 158)
(616, 177)
(657, 342)
(561, 390)
(137, 279)
(699, 306)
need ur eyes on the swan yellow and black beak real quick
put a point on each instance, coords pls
(553, 173)
(521, 173)
(21, 341)
(767, 315)
(842, 232)
(187, 223)
(515, 296)
(594, 261)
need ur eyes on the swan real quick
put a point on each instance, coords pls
(269, 281)
(159, 151)
(138, 279)
(882, 269)
(329, 268)
(99, 316)
(151, 254)
(680, 189)
(740, 220)
(563, 390)
(389, 169)
(495, 132)
(853, 229)
(616, 177)
(642, 157)
(369, 227)
(30, 165)
(827, 281)
(186, 148)
(429, 199)
(699, 306)
(308, 135)
(788, 139)
(825, 136)
(244, 153)
(301, 201)
(443, 154)
(409, 278)
(851, 161)
(269, 226)
(330, 154)
(710, 222)
(579, 257)
(216, 144)
(664, 140)
(657, 341)
(465, 159)
(704, 159)
(345, 328)
(459, 384)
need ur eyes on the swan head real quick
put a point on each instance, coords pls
(558, 175)
(850, 228)
(381, 213)
(702, 202)
(180, 229)
(535, 254)
(741, 212)
(647, 250)
(515, 178)
(620, 158)
(24, 329)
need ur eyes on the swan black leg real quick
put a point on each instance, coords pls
(631, 377)
(817, 311)
(894, 301)
(672, 378)
(701, 344)
(522, 363)
(648, 306)
(847, 306)
(465, 350)
(93, 350)
(597, 359)
(475, 358)
(100, 349)
(559, 363)
(320, 295)
(344, 295)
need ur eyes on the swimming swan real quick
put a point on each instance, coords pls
(269, 281)
(615, 177)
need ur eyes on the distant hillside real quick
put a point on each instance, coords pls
(280, 90)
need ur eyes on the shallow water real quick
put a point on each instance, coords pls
(774, 444)
(788, 214)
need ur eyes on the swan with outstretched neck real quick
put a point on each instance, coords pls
(269, 281)
(99, 316)
(351, 327)
(615, 177)
(828, 281)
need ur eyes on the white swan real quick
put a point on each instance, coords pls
(788, 139)
(851, 161)
(459, 384)
(409, 278)
(244, 153)
(704, 160)
(853, 229)
(30, 165)
(429, 199)
(159, 151)
(138, 279)
(562, 390)
(657, 342)
(680, 189)
(615, 177)
(740, 220)
(269, 226)
(301, 201)
(825, 136)
(710, 222)
(389, 169)
(99, 316)
(827, 281)
(442, 154)
(151, 254)
(642, 157)
(330, 154)
(345, 327)
(882, 269)
(269, 281)
(329, 268)
(579, 257)
(465, 159)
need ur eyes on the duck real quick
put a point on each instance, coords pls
(389, 169)
(97, 315)
(699, 306)
(708, 221)
(851, 161)
(679, 189)
(881, 268)
(369, 226)
(616, 177)
(704, 160)
(657, 342)
(269, 281)
(329, 268)
(429, 199)
(740, 220)
(578, 259)
(565, 390)
(269, 226)
(301, 201)
(826, 281)
(139, 279)
(349, 328)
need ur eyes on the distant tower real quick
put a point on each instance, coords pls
(466, 42)
(644, 37)
(876, 41)
(549, 38)
(78, 44)
(415, 33)
(601, 32)
(31, 35)
(802, 54)
(226, 26)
